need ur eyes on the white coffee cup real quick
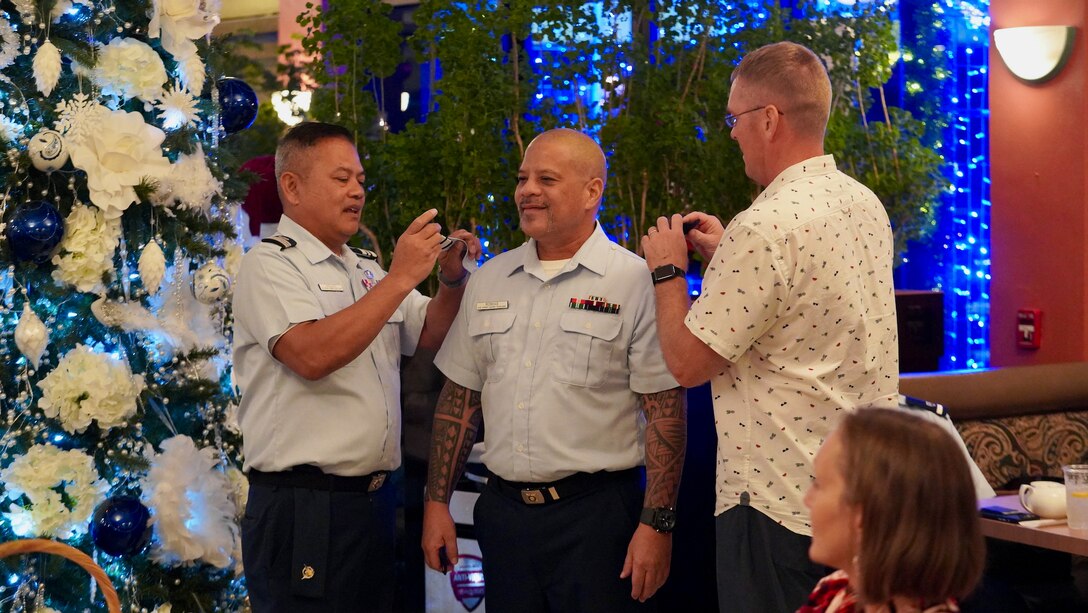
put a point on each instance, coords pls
(1044, 498)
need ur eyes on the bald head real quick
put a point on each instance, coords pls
(791, 77)
(560, 183)
(581, 151)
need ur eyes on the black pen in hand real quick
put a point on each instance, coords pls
(444, 560)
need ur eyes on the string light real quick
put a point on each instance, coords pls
(957, 259)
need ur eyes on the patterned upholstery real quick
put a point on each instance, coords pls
(1010, 450)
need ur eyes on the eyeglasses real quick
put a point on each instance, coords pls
(731, 119)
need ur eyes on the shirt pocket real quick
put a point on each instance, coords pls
(491, 342)
(387, 346)
(334, 302)
(583, 356)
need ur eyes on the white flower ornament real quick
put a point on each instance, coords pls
(117, 156)
(87, 386)
(53, 492)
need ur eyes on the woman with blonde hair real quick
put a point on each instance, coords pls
(893, 508)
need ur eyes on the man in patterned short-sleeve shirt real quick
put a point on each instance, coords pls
(795, 324)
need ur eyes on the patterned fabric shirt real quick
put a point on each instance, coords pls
(833, 594)
(799, 298)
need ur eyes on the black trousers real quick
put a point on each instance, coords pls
(762, 567)
(285, 530)
(561, 557)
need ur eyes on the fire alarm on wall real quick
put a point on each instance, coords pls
(1029, 329)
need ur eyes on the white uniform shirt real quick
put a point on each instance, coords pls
(347, 423)
(799, 298)
(559, 385)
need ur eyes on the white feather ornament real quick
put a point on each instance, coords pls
(47, 67)
(128, 316)
(31, 336)
(191, 71)
(152, 267)
(191, 505)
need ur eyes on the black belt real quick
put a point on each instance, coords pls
(312, 478)
(567, 487)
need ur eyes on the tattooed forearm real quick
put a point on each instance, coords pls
(456, 421)
(666, 443)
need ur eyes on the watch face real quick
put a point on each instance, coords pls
(666, 272)
(665, 520)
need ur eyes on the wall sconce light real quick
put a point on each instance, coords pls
(1035, 53)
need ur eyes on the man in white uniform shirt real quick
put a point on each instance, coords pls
(795, 324)
(319, 331)
(555, 350)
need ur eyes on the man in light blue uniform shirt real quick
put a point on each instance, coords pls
(555, 350)
(319, 331)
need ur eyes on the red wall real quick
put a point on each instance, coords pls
(1039, 222)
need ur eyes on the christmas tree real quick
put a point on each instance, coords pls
(117, 248)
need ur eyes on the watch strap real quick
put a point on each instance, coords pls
(661, 519)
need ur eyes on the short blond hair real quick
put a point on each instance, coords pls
(791, 77)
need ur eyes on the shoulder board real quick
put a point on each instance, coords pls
(364, 253)
(284, 242)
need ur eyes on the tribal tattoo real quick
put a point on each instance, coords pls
(666, 444)
(457, 420)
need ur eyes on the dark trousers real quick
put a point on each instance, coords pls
(762, 567)
(561, 557)
(347, 541)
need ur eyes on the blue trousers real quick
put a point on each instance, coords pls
(562, 557)
(316, 551)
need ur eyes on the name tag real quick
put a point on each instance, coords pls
(493, 305)
(330, 287)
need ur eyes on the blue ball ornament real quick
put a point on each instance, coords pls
(237, 103)
(121, 526)
(35, 231)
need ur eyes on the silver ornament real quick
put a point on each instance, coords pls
(31, 336)
(47, 151)
(211, 284)
(152, 267)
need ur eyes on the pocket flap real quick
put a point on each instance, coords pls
(396, 317)
(604, 326)
(491, 323)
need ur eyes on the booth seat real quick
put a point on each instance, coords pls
(1020, 422)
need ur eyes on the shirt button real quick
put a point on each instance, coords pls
(588, 325)
(547, 286)
(528, 363)
(536, 324)
(521, 405)
(521, 448)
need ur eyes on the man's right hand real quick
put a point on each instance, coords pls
(417, 249)
(439, 532)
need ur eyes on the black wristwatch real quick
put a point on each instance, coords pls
(666, 272)
(662, 519)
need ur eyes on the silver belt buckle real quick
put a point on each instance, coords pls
(532, 496)
(376, 482)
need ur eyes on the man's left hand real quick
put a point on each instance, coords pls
(648, 558)
(665, 243)
(450, 265)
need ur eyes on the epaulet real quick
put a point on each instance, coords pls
(364, 253)
(924, 405)
(284, 242)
